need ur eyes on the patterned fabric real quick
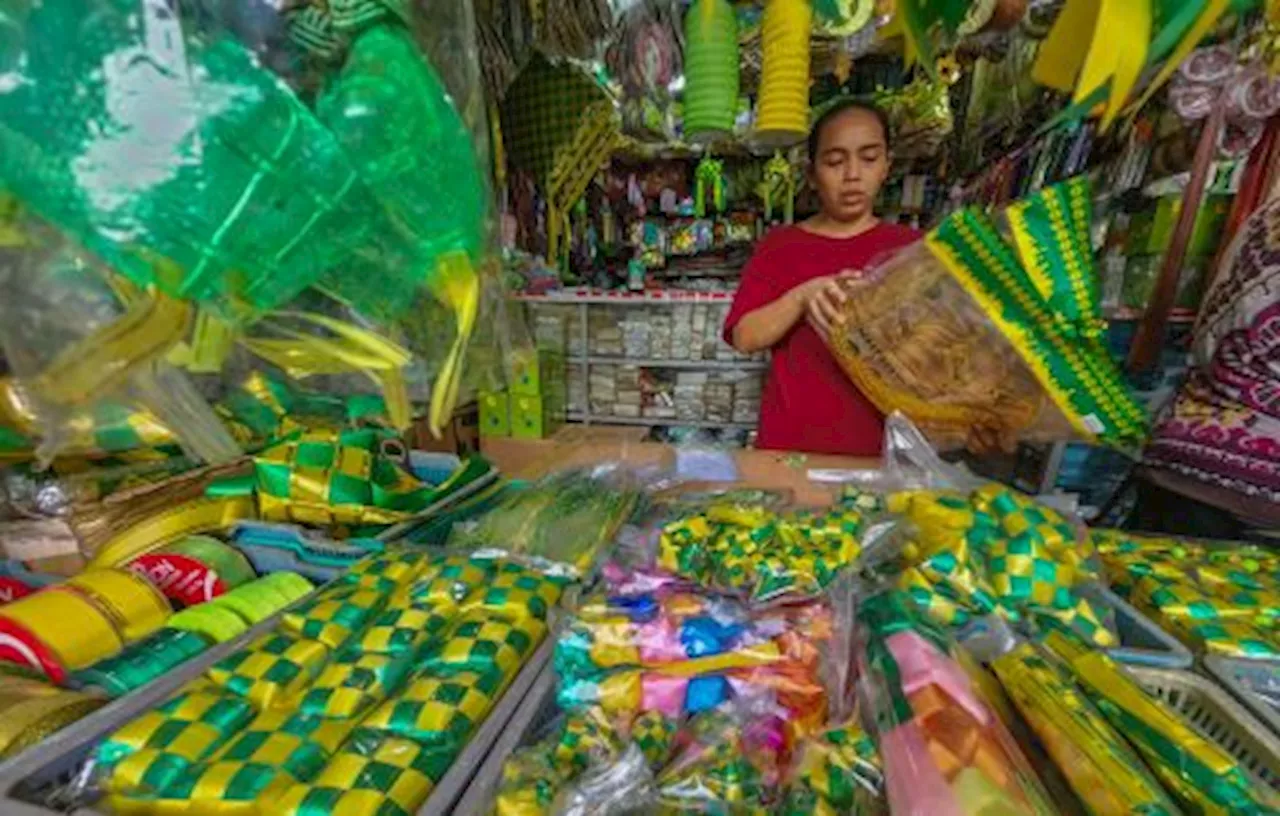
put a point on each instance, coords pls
(1223, 427)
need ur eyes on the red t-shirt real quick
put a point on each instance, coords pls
(809, 404)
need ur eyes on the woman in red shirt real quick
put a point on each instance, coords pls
(792, 289)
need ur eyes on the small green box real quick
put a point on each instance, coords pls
(495, 414)
(535, 417)
(537, 373)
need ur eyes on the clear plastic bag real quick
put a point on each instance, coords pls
(75, 335)
(562, 522)
(945, 750)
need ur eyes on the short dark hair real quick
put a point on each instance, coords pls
(840, 106)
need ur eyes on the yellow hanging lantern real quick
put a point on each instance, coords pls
(782, 117)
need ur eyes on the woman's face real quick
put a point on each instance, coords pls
(851, 163)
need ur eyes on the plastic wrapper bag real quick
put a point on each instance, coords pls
(1101, 767)
(561, 523)
(241, 199)
(1219, 597)
(75, 336)
(1200, 774)
(648, 646)
(959, 331)
(945, 750)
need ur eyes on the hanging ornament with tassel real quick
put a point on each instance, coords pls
(779, 181)
(710, 173)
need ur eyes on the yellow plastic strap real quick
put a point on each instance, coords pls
(211, 342)
(457, 287)
(1062, 54)
(189, 518)
(355, 349)
(102, 360)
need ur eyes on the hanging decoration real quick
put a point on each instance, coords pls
(843, 18)
(923, 23)
(1212, 76)
(920, 112)
(559, 126)
(1098, 50)
(779, 182)
(710, 173)
(783, 115)
(711, 70)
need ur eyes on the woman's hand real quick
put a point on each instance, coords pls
(823, 299)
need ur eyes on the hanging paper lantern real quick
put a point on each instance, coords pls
(711, 70)
(783, 115)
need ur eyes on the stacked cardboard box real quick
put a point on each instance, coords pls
(534, 404)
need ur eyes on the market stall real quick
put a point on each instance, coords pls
(379, 432)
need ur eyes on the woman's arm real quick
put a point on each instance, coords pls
(763, 328)
(818, 299)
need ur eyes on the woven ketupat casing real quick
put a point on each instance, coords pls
(482, 644)
(353, 683)
(275, 667)
(382, 776)
(334, 614)
(190, 726)
(439, 711)
(516, 592)
(401, 630)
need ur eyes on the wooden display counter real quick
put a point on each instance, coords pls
(578, 445)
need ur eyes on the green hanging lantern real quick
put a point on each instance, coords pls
(711, 70)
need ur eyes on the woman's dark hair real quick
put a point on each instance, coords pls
(839, 107)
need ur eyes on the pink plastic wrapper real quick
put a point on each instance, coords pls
(945, 751)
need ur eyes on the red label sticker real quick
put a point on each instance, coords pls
(179, 577)
(11, 589)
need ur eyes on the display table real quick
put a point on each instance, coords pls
(577, 445)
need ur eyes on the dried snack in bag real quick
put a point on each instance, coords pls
(964, 330)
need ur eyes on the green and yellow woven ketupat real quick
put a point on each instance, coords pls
(1218, 597)
(358, 704)
(764, 554)
(996, 552)
(839, 771)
